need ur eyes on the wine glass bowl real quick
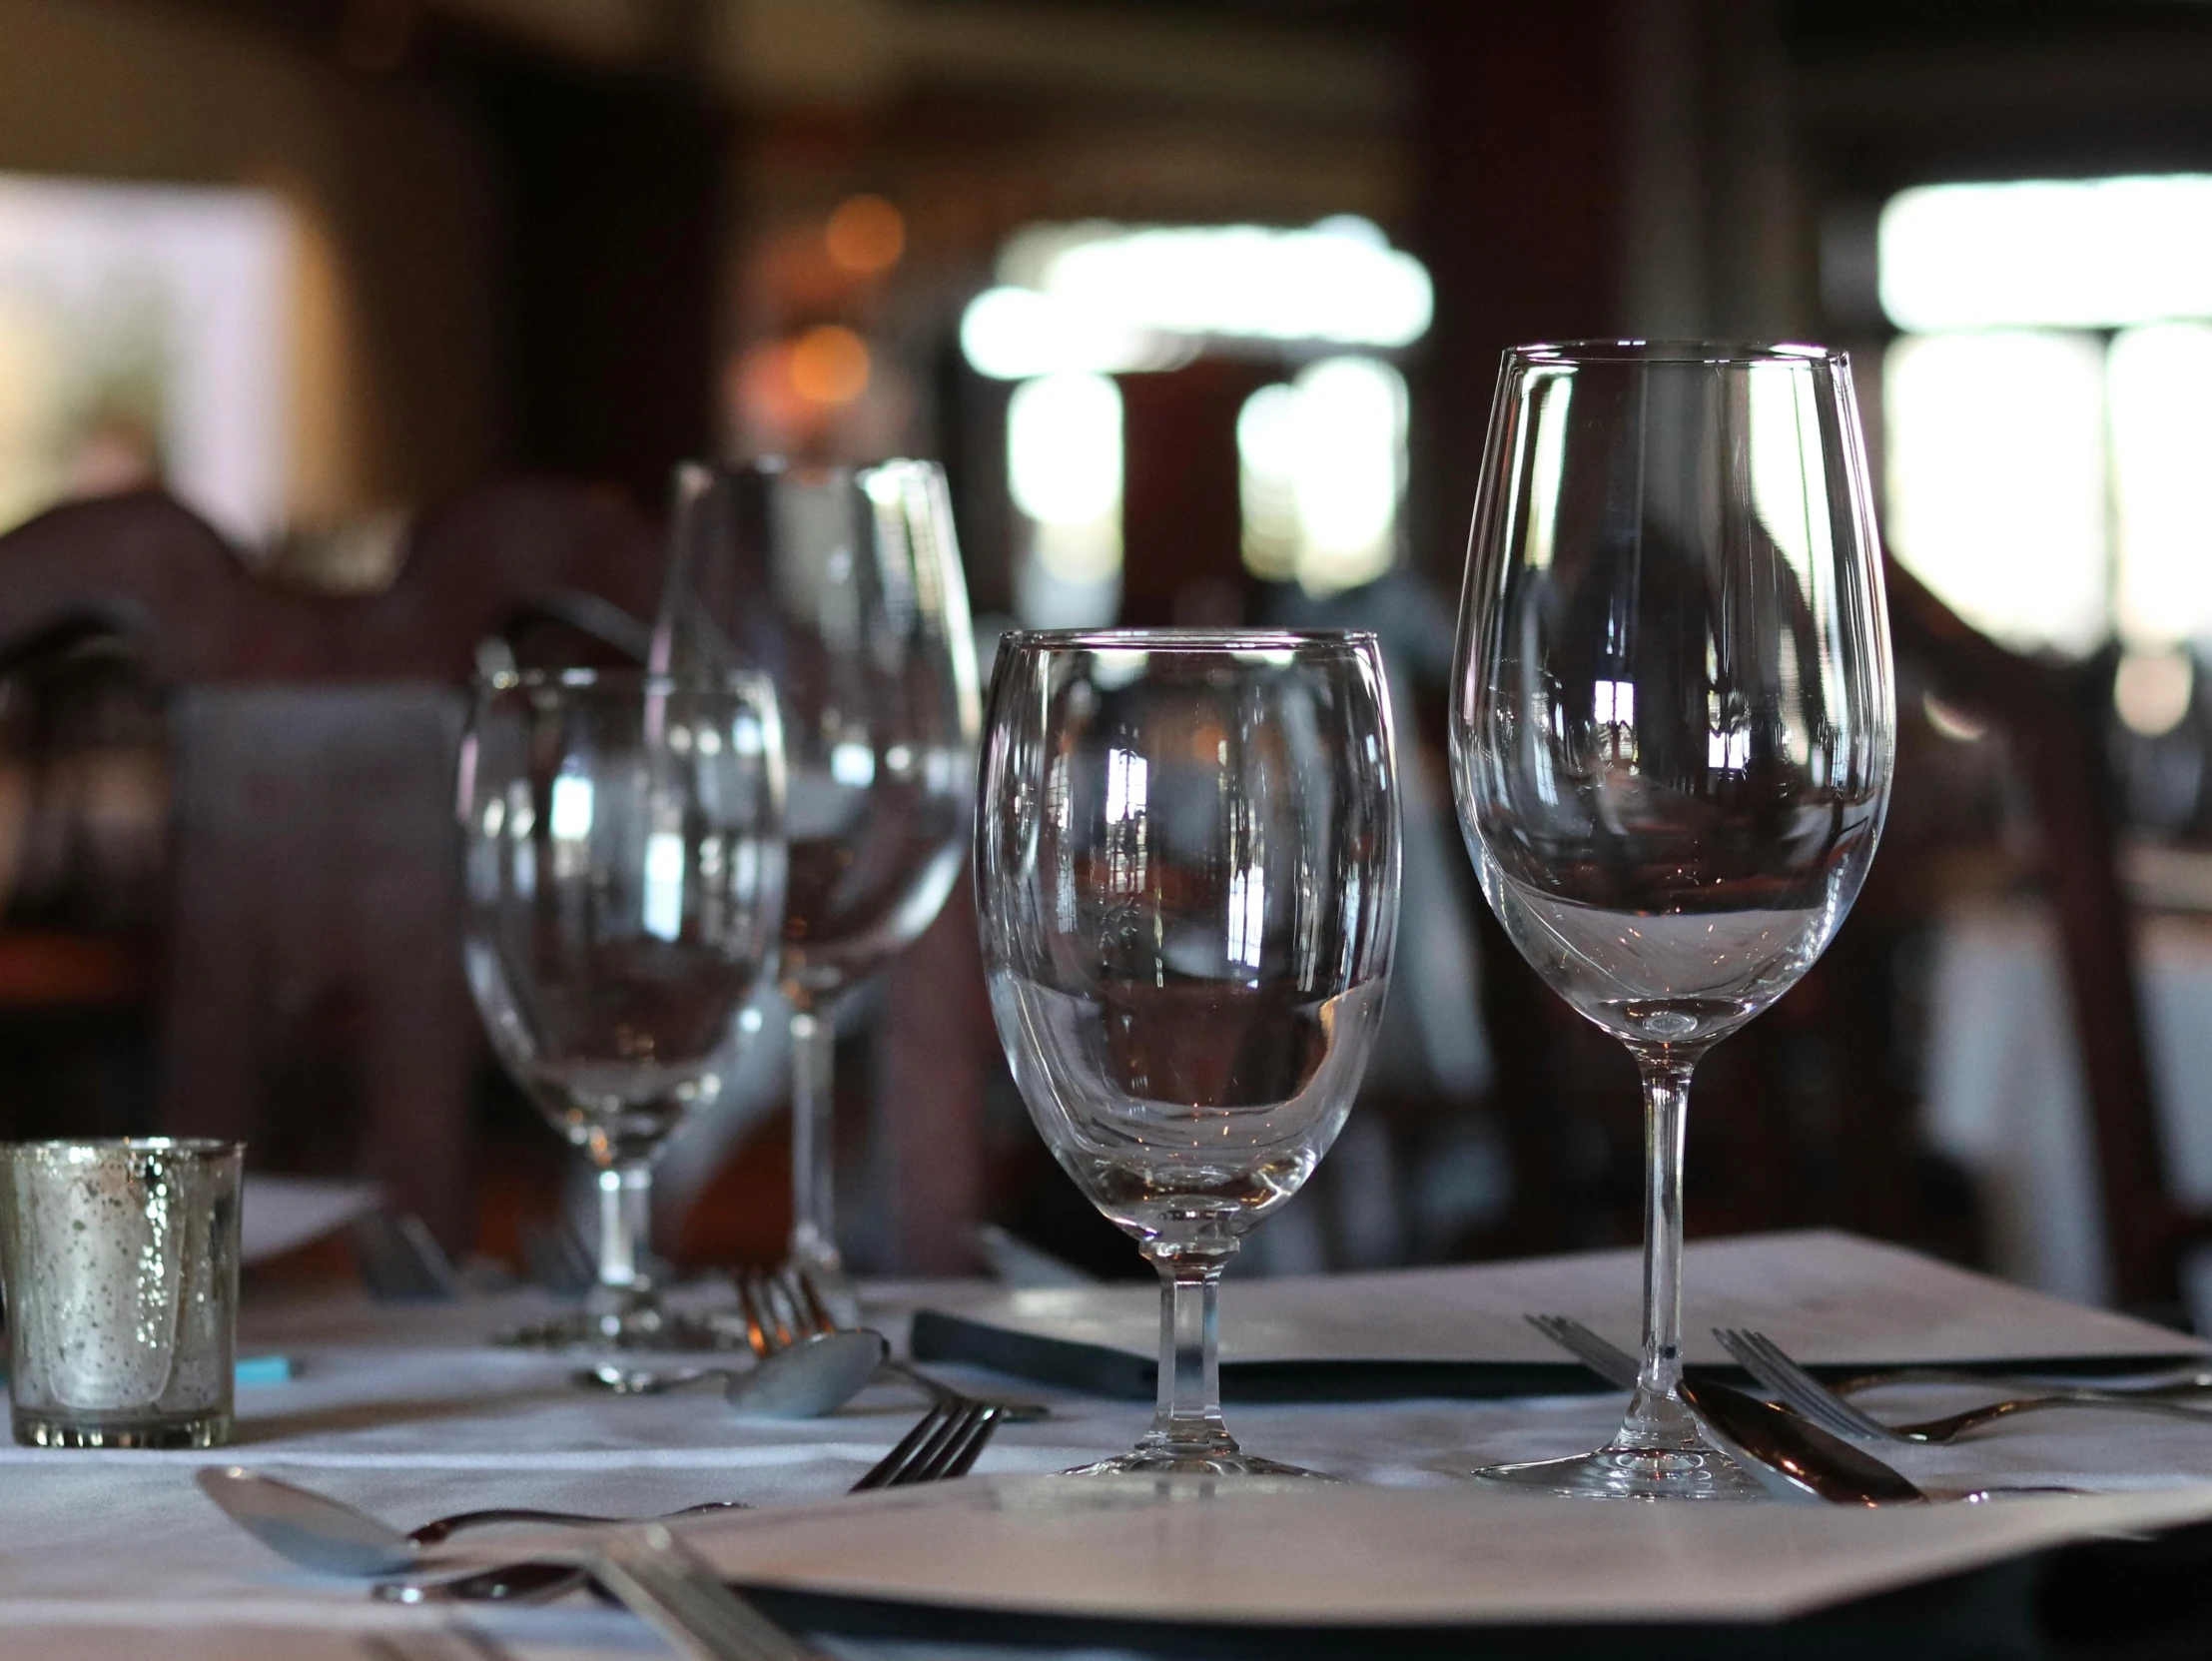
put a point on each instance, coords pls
(1672, 734)
(624, 873)
(844, 588)
(1187, 858)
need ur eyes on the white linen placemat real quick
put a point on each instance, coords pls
(1823, 1296)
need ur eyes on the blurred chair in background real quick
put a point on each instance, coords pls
(298, 951)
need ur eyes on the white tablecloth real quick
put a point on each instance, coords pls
(403, 1411)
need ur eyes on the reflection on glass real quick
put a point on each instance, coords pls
(1672, 733)
(625, 895)
(1188, 885)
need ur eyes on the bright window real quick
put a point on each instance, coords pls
(2048, 412)
(1322, 459)
(144, 338)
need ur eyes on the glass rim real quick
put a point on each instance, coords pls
(1659, 351)
(189, 1146)
(1187, 639)
(626, 682)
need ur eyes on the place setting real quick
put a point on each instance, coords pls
(1672, 736)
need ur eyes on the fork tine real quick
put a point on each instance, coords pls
(1616, 1366)
(1766, 1362)
(1840, 1414)
(806, 1298)
(776, 1299)
(936, 1460)
(756, 1330)
(1788, 1383)
(887, 1468)
(981, 1429)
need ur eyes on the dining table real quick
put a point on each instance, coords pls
(409, 1411)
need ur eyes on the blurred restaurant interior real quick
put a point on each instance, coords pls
(417, 302)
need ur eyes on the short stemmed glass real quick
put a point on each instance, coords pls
(624, 876)
(1673, 724)
(844, 589)
(1187, 883)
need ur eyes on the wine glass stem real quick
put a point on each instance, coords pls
(1188, 1418)
(1656, 1406)
(812, 1164)
(625, 1224)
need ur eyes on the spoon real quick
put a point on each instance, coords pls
(319, 1532)
(812, 1377)
(310, 1529)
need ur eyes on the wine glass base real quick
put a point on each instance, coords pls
(1624, 1473)
(1158, 1462)
(629, 1331)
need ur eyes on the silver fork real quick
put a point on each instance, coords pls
(1768, 1362)
(946, 1443)
(784, 1306)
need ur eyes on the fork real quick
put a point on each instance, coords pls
(944, 1443)
(667, 1586)
(1807, 1458)
(400, 1259)
(784, 1306)
(1768, 1362)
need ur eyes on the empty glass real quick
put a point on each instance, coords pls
(844, 589)
(625, 871)
(1187, 882)
(1672, 731)
(122, 1285)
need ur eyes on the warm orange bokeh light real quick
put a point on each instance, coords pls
(864, 235)
(829, 365)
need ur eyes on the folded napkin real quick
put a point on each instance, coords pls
(280, 1214)
(1833, 1299)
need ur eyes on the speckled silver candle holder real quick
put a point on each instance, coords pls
(121, 1261)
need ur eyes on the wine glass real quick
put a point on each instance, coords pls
(624, 877)
(1187, 882)
(844, 589)
(1673, 724)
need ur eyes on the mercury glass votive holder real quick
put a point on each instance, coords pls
(121, 1267)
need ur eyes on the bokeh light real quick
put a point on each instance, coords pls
(829, 365)
(866, 235)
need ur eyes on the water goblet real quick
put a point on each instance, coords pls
(1672, 725)
(844, 588)
(1187, 884)
(624, 879)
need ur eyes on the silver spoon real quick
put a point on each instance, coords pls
(809, 1379)
(310, 1529)
(320, 1532)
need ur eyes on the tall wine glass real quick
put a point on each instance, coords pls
(624, 875)
(1673, 723)
(1187, 882)
(845, 587)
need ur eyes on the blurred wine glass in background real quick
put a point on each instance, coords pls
(844, 589)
